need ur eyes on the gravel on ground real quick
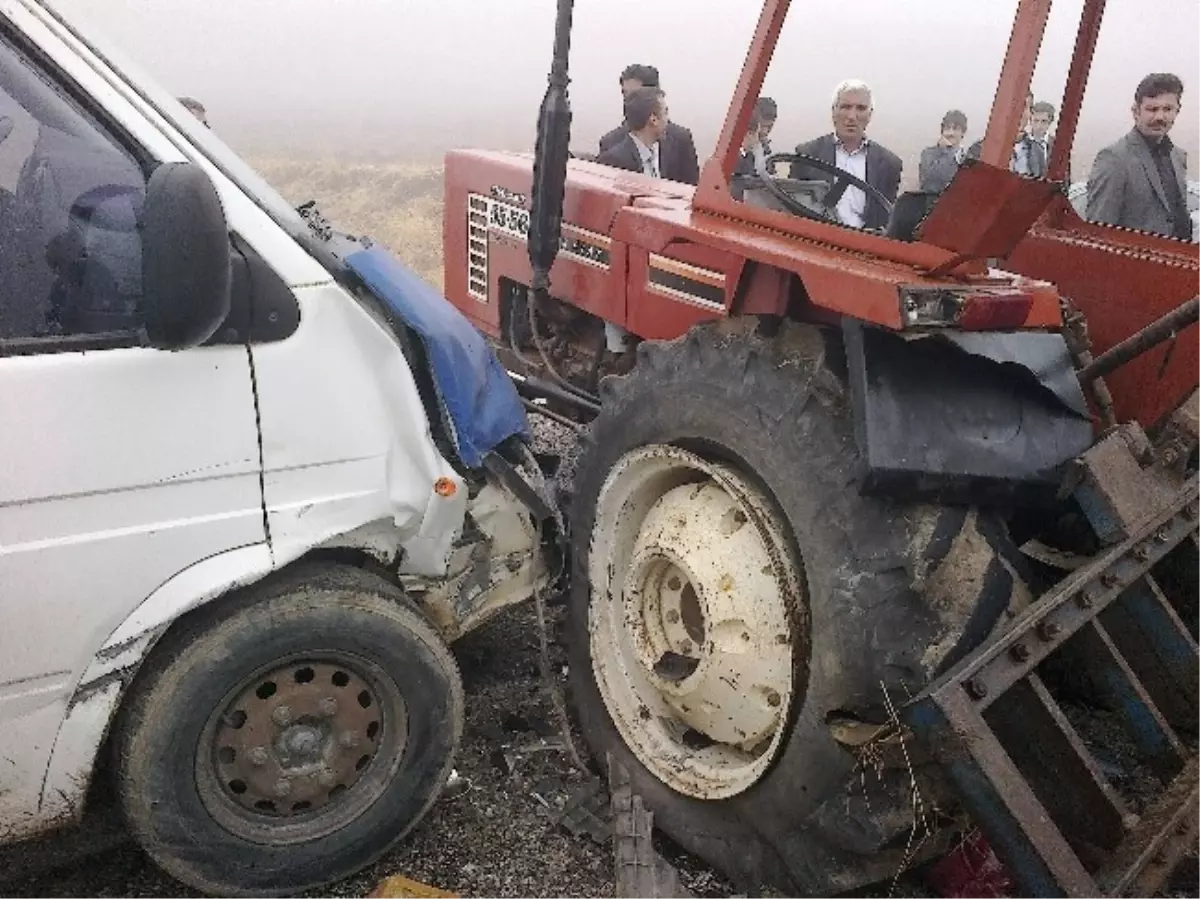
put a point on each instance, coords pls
(501, 833)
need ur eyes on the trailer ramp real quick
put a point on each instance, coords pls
(1045, 801)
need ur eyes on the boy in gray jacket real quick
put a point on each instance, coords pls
(941, 161)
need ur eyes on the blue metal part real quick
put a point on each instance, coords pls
(480, 400)
(1021, 768)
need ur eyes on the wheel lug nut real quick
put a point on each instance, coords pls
(259, 756)
(282, 716)
(773, 699)
(672, 616)
(328, 706)
(326, 778)
(283, 788)
(349, 739)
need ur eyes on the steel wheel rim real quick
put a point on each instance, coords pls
(694, 621)
(301, 747)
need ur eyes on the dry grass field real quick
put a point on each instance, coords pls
(398, 204)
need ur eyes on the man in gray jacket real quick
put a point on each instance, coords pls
(1140, 181)
(939, 163)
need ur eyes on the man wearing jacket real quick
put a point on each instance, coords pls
(849, 148)
(939, 163)
(1140, 181)
(677, 153)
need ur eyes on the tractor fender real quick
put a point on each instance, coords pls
(965, 417)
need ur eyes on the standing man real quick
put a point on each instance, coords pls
(1028, 157)
(851, 151)
(767, 111)
(640, 149)
(1140, 181)
(940, 163)
(678, 150)
(196, 108)
(646, 120)
(752, 157)
(1040, 119)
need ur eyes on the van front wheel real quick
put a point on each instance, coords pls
(289, 737)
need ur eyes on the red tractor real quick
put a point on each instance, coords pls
(875, 512)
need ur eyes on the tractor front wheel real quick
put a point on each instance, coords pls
(735, 593)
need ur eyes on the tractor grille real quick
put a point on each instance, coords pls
(477, 246)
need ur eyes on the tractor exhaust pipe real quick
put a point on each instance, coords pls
(550, 157)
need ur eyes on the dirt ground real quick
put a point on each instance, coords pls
(498, 838)
(502, 835)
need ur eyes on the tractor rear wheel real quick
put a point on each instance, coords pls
(735, 595)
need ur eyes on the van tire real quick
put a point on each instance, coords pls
(357, 668)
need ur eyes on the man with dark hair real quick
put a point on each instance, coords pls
(940, 162)
(850, 150)
(646, 118)
(196, 108)
(1028, 156)
(767, 111)
(678, 149)
(1140, 181)
(752, 154)
(1040, 119)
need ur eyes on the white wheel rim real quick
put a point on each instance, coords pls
(693, 620)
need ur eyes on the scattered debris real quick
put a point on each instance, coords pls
(456, 785)
(639, 870)
(399, 887)
(586, 812)
(970, 870)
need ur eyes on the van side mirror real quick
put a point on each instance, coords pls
(186, 272)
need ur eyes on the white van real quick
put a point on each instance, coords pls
(253, 475)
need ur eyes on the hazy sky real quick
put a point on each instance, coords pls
(415, 77)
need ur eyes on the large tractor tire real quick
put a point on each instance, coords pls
(735, 596)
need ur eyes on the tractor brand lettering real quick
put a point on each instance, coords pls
(689, 283)
(509, 196)
(510, 219)
(576, 243)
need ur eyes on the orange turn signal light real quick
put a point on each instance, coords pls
(445, 487)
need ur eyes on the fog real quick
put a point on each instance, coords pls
(412, 78)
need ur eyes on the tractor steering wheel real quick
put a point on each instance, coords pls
(825, 209)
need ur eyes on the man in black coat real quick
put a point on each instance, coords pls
(849, 149)
(640, 150)
(678, 149)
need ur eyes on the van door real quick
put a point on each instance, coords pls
(120, 465)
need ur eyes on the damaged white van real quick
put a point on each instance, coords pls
(253, 475)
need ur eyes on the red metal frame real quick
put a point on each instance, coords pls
(772, 262)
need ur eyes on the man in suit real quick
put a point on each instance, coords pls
(1028, 155)
(1041, 117)
(640, 150)
(678, 151)
(851, 151)
(1140, 181)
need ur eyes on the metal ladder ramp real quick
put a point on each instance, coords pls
(1025, 773)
